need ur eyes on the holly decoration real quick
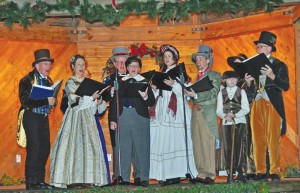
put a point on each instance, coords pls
(113, 14)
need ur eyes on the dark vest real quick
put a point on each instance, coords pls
(233, 105)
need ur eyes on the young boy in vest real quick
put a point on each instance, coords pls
(232, 106)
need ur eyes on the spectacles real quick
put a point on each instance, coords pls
(260, 46)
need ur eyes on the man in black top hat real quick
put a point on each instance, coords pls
(267, 113)
(33, 116)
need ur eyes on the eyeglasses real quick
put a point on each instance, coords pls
(260, 46)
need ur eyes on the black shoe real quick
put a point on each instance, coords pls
(145, 183)
(208, 180)
(240, 179)
(260, 177)
(137, 182)
(250, 176)
(275, 177)
(161, 182)
(197, 180)
(39, 186)
(171, 181)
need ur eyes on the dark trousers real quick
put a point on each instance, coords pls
(239, 157)
(38, 146)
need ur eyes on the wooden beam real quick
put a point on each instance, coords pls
(149, 33)
(38, 33)
(248, 24)
(296, 13)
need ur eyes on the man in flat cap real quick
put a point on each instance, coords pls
(33, 117)
(267, 112)
(204, 117)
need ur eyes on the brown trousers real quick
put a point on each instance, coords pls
(265, 124)
(203, 146)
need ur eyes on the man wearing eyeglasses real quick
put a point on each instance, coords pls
(267, 113)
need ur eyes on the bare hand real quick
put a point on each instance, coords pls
(190, 93)
(113, 125)
(248, 79)
(96, 95)
(112, 91)
(144, 95)
(267, 70)
(51, 101)
(154, 87)
(229, 117)
(169, 82)
(99, 101)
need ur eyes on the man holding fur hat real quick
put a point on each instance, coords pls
(204, 117)
(267, 112)
(33, 117)
(232, 107)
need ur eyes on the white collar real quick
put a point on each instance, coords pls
(231, 88)
(138, 77)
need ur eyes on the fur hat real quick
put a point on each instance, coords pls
(42, 55)
(205, 51)
(230, 74)
(133, 59)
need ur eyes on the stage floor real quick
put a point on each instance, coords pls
(285, 185)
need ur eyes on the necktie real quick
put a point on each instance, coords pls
(200, 75)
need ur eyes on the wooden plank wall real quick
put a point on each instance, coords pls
(16, 59)
(96, 43)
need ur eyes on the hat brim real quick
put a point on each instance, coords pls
(116, 56)
(267, 43)
(204, 55)
(42, 60)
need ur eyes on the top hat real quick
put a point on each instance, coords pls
(119, 51)
(205, 51)
(42, 55)
(230, 74)
(172, 49)
(267, 38)
(133, 59)
(231, 59)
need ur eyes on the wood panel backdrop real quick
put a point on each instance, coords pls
(96, 41)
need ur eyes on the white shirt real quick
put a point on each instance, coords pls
(239, 116)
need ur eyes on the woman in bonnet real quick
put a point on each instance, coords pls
(79, 157)
(168, 159)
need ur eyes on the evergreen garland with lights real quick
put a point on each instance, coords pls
(11, 13)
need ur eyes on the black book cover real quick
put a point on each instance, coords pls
(202, 85)
(238, 67)
(157, 78)
(252, 65)
(132, 89)
(255, 63)
(89, 86)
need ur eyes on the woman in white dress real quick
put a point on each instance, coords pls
(168, 160)
(78, 155)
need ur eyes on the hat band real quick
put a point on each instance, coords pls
(42, 58)
(120, 54)
(167, 47)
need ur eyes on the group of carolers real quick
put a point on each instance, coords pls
(157, 132)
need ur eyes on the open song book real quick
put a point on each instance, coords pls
(89, 86)
(40, 92)
(252, 65)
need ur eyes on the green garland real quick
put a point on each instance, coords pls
(11, 13)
